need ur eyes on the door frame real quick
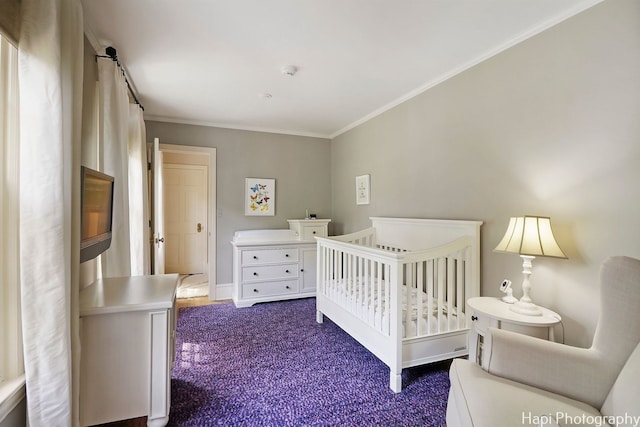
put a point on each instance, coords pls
(211, 205)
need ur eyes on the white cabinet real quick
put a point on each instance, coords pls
(307, 229)
(127, 335)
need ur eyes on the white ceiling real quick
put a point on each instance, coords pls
(210, 61)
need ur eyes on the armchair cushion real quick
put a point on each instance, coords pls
(477, 398)
(579, 373)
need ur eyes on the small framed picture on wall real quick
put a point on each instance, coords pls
(362, 189)
(259, 197)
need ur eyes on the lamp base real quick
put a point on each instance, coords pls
(526, 308)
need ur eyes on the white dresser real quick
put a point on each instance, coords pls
(127, 334)
(272, 265)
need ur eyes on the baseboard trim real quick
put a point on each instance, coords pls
(222, 291)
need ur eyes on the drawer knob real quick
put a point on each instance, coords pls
(302, 269)
(255, 257)
(287, 287)
(314, 232)
(255, 290)
(255, 274)
(286, 255)
(474, 318)
(286, 271)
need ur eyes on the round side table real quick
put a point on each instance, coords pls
(491, 312)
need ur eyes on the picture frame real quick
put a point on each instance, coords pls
(363, 192)
(260, 197)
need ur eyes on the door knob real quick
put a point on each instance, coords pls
(199, 227)
(160, 240)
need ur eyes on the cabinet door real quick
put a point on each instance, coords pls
(308, 269)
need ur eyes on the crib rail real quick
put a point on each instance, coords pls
(365, 238)
(384, 286)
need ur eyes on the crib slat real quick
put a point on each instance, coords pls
(459, 287)
(379, 302)
(450, 290)
(333, 272)
(366, 314)
(430, 288)
(348, 259)
(420, 303)
(441, 278)
(408, 288)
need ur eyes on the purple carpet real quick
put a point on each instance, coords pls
(273, 365)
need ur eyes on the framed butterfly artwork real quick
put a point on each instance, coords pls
(259, 197)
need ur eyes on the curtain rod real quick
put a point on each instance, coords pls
(111, 54)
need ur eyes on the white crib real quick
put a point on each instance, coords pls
(400, 287)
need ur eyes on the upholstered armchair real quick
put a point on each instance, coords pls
(528, 379)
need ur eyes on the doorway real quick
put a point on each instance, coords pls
(187, 236)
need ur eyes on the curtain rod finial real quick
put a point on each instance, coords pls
(111, 51)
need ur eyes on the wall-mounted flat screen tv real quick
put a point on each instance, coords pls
(96, 215)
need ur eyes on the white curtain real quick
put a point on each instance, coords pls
(50, 76)
(114, 140)
(138, 193)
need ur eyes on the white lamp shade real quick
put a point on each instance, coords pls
(530, 235)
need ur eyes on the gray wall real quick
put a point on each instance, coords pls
(300, 166)
(549, 127)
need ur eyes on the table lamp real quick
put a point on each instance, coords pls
(529, 236)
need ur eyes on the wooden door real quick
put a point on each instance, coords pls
(185, 212)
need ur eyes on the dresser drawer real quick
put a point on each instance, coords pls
(260, 290)
(269, 272)
(309, 232)
(269, 256)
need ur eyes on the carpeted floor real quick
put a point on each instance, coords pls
(273, 365)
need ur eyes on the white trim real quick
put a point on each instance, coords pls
(223, 292)
(12, 392)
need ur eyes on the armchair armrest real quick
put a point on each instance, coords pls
(579, 373)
